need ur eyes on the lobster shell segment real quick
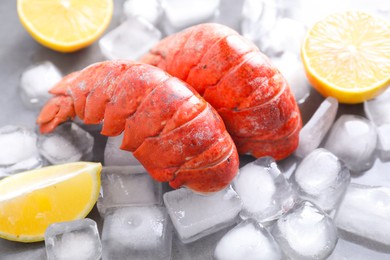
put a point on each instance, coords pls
(252, 97)
(177, 136)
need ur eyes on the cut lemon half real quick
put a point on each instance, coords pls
(32, 200)
(65, 25)
(347, 56)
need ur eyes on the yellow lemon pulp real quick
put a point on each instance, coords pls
(32, 200)
(347, 56)
(65, 25)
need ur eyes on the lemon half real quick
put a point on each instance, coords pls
(65, 25)
(347, 56)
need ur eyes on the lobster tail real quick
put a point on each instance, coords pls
(177, 136)
(252, 97)
(56, 111)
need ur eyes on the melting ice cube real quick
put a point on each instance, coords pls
(292, 70)
(123, 188)
(322, 179)
(140, 232)
(150, 10)
(67, 143)
(263, 189)
(314, 131)
(180, 14)
(77, 239)
(305, 232)
(384, 141)
(377, 109)
(36, 82)
(18, 150)
(248, 240)
(195, 215)
(130, 40)
(365, 213)
(353, 139)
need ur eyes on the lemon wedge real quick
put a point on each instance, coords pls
(65, 25)
(32, 200)
(347, 56)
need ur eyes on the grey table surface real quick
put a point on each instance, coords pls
(18, 51)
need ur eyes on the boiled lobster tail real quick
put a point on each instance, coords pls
(170, 129)
(249, 93)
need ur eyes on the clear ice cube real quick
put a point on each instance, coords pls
(292, 70)
(377, 109)
(151, 10)
(229, 13)
(365, 212)
(67, 143)
(286, 36)
(36, 82)
(353, 139)
(314, 131)
(263, 189)
(114, 156)
(248, 240)
(201, 249)
(196, 215)
(305, 232)
(258, 18)
(322, 179)
(140, 232)
(130, 40)
(384, 141)
(310, 11)
(179, 14)
(71, 240)
(123, 188)
(18, 150)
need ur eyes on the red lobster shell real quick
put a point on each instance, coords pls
(249, 93)
(171, 130)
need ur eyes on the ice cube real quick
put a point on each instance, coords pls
(180, 14)
(67, 143)
(130, 40)
(140, 232)
(18, 150)
(196, 215)
(263, 189)
(310, 11)
(305, 232)
(377, 109)
(285, 36)
(322, 179)
(248, 240)
(150, 10)
(353, 139)
(375, 176)
(292, 70)
(36, 82)
(78, 239)
(201, 249)
(114, 156)
(314, 131)
(258, 18)
(365, 213)
(229, 13)
(123, 188)
(384, 141)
